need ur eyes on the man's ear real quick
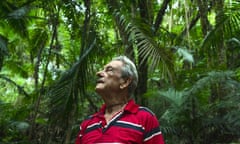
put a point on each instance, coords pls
(125, 83)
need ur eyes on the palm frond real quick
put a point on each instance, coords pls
(66, 92)
(15, 16)
(230, 23)
(39, 39)
(211, 78)
(141, 34)
(206, 120)
(172, 96)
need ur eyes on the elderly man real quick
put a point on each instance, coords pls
(120, 120)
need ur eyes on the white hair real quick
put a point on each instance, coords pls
(129, 70)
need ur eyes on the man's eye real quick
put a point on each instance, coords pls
(109, 69)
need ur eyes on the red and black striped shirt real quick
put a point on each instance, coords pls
(133, 125)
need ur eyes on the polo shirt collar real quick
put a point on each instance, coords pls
(131, 106)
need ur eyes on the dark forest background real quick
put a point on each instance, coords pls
(187, 53)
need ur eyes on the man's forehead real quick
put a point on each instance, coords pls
(114, 63)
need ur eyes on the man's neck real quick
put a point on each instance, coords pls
(113, 108)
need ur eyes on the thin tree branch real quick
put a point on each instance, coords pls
(160, 15)
(86, 24)
(20, 88)
(40, 94)
(193, 22)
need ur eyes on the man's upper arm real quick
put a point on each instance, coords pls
(153, 134)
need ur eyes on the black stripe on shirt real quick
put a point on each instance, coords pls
(146, 110)
(93, 127)
(151, 133)
(129, 125)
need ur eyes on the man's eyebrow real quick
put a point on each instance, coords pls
(106, 66)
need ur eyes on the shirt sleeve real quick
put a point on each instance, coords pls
(153, 134)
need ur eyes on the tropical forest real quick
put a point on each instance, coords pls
(187, 54)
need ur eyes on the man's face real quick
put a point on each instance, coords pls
(109, 79)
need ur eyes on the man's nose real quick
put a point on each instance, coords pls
(99, 73)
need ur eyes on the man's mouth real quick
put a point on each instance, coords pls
(100, 81)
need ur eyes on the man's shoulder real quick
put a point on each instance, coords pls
(91, 117)
(146, 110)
(90, 120)
(94, 115)
(147, 117)
(138, 109)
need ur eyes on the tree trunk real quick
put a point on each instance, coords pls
(143, 64)
(221, 61)
(203, 11)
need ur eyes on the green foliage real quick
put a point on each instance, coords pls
(51, 50)
(196, 115)
(13, 123)
(141, 35)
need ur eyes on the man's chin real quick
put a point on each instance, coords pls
(98, 89)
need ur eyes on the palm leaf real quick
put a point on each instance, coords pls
(230, 23)
(16, 17)
(140, 34)
(209, 122)
(210, 79)
(66, 92)
(172, 96)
